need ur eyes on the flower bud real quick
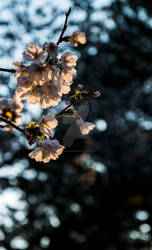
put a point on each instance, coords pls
(78, 37)
(68, 103)
(80, 87)
(96, 93)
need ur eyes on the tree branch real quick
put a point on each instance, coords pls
(1, 126)
(12, 124)
(62, 111)
(64, 27)
(8, 70)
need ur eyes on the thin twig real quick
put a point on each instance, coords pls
(8, 70)
(62, 111)
(64, 27)
(12, 124)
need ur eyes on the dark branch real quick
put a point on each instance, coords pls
(63, 110)
(64, 27)
(12, 124)
(8, 70)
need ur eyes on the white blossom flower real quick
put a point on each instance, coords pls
(51, 95)
(65, 88)
(39, 74)
(33, 97)
(17, 64)
(85, 127)
(67, 75)
(68, 60)
(10, 109)
(32, 94)
(21, 92)
(66, 78)
(47, 123)
(77, 37)
(36, 74)
(34, 54)
(48, 150)
(21, 75)
(55, 74)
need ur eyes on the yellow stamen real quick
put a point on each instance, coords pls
(25, 73)
(9, 115)
(76, 38)
(32, 125)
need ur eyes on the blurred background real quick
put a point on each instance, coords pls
(98, 195)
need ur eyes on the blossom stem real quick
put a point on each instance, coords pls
(8, 70)
(64, 27)
(2, 126)
(62, 111)
(12, 124)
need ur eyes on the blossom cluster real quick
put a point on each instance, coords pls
(44, 81)
(44, 78)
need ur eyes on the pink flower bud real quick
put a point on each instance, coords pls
(68, 103)
(96, 93)
(80, 87)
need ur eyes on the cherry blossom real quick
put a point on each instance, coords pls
(47, 123)
(85, 127)
(48, 150)
(45, 83)
(34, 54)
(68, 60)
(10, 109)
(77, 37)
(51, 95)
